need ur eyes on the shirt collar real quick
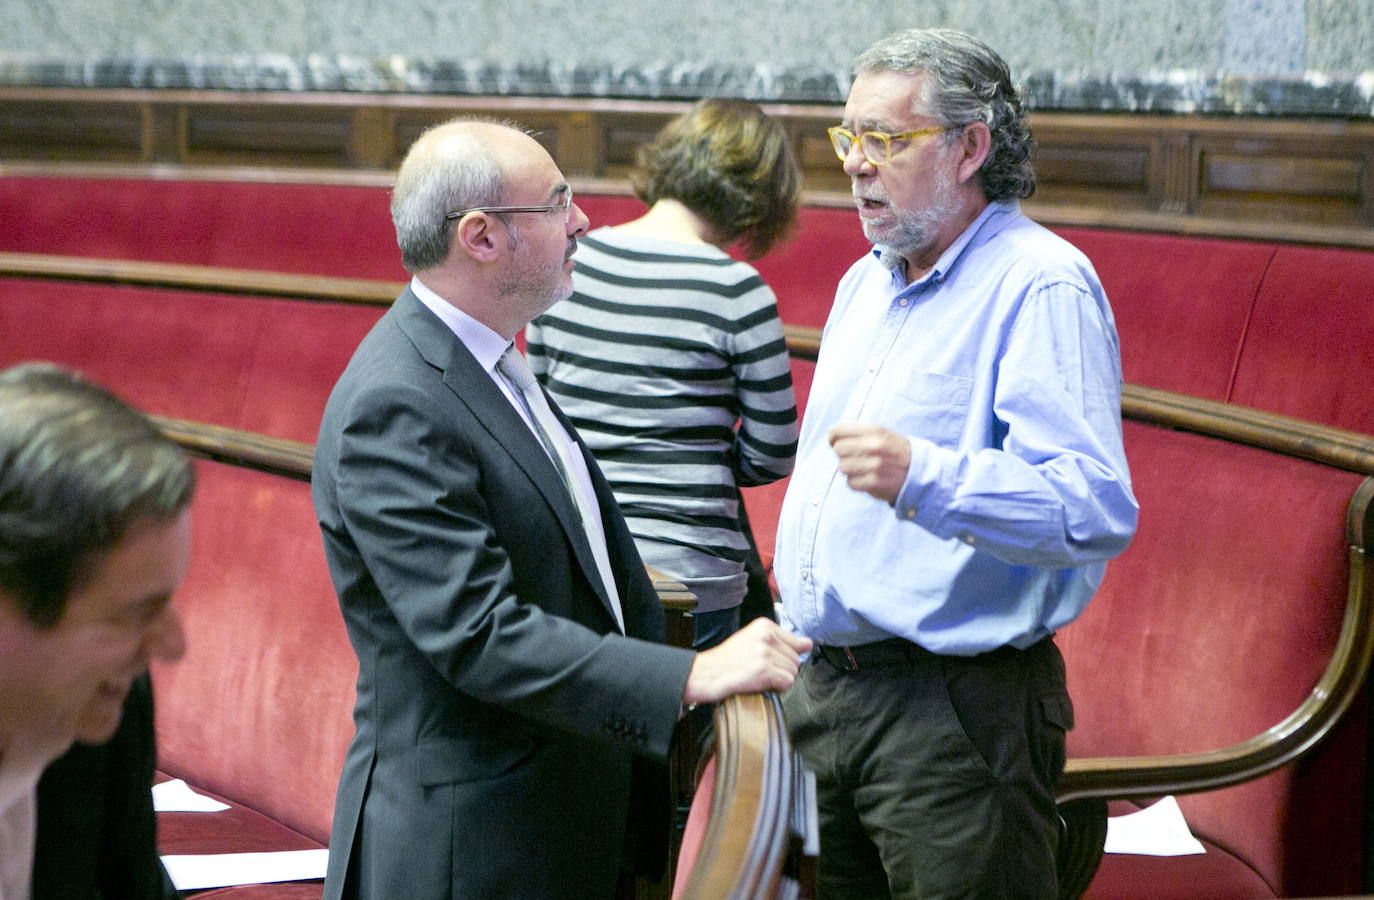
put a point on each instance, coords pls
(485, 345)
(993, 218)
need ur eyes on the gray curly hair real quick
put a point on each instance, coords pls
(966, 81)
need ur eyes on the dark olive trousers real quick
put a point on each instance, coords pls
(935, 774)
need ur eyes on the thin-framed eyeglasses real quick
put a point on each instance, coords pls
(564, 204)
(876, 146)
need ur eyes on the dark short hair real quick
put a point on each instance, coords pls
(966, 82)
(730, 163)
(78, 467)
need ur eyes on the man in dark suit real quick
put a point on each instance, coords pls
(94, 538)
(97, 832)
(513, 702)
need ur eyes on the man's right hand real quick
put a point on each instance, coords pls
(759, 657)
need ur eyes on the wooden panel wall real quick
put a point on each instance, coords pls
(1310, 180)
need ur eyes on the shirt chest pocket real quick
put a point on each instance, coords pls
(933, 406)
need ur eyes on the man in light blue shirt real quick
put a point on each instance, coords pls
(959, 486)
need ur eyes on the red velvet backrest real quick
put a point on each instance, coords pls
(259, 709)
(168, 353)
(764, 503)
(805, 269)
(1236, 577)
(1181, 304)
(608, 209)
(1309, 352)
(298, 354)
(694, 832)
(339, 230)
(1216, 622)
(255, 363)
(336, 230)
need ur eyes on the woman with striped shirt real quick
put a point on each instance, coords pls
(669, 357)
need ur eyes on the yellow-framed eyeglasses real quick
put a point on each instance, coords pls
(876, 146)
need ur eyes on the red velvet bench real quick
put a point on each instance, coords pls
(1264, 325)
(258, 712)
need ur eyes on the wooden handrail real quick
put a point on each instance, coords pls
(1282, 434)
(1084, 778)
(244, 448)
(1154, 776)
(757, 776)
(1335, 447)
(181, 276)
(749, 829)
(294, 459)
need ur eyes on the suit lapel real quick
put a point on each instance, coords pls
(475, 389)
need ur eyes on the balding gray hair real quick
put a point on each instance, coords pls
(430, 185)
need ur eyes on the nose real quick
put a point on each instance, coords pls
(578, 223)
(166, 640)
(855, 163)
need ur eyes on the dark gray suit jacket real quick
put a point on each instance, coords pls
(504, 727)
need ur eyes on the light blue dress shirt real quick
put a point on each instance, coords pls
(1001, 366)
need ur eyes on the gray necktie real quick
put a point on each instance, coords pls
(513, 367)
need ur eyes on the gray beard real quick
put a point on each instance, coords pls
(914, 232)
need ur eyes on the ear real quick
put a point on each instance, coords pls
(476, 235)
(974, 143)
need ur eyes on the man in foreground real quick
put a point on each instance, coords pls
(94, 538)
(959, 486)
(514, 704)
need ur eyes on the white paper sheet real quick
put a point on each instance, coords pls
(207, 870)
(1157, 830)
(177, 796)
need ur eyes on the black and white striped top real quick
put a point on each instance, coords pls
(669, 359)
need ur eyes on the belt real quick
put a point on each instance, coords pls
(892, 651)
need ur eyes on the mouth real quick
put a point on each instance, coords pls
(869, 206)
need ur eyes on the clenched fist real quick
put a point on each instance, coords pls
(874, 459)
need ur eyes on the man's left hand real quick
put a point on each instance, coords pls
(874, 459)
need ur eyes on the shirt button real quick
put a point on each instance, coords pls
(816, 501)
(806, 574)
(910, 513)
(903, 302)
(968, 539)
